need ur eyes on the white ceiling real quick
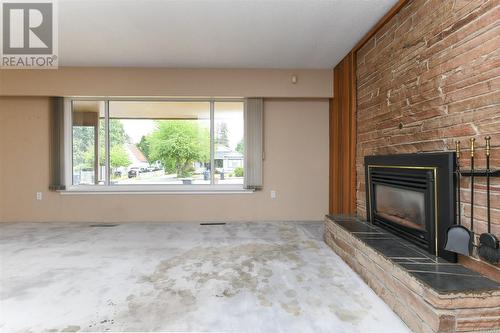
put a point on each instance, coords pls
(213, 33)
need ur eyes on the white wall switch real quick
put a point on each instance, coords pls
(274, 194)
(39, 196)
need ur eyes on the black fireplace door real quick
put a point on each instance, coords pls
(402, 200)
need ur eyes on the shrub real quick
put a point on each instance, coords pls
(238, 172)
(186, 172)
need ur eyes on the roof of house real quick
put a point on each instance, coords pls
(224, 152)
(136, 153)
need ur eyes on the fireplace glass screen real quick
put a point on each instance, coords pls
(401, 206)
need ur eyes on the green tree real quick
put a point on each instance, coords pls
(144, 147)
(118, 157)
(179, 143)
(117, 134)
(240, 147)
(83, 145)
(118, 138)
(239, 172)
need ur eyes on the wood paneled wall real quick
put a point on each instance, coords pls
(343, 139)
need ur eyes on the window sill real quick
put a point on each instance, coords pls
(148, 190)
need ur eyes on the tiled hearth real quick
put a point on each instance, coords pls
(427, 292)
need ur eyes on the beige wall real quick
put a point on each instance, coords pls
(296, 166)
(79, 81)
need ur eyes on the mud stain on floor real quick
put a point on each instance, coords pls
(346, 314)
(292, 308)
(222, 272)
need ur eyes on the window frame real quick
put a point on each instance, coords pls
(107, 187)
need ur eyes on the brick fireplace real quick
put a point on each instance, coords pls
(429, 294)
(428, 77)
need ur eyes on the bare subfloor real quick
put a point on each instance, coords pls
(241, 277)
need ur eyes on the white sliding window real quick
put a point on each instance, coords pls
(125, 144)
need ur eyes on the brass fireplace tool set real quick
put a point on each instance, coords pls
(460, 239)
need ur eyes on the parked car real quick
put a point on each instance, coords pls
(133, 172)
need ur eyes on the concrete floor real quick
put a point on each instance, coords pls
(242, 277)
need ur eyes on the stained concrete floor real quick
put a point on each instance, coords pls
(241, 277)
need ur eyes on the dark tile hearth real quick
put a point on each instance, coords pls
(449, 282)
(358, 227)
(444, 268)
(437, 273)
(392, 248)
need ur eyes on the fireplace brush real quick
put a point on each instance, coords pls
(488, 242)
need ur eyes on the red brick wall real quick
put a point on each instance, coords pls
(429, 77)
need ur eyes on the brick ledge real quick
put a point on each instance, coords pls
(419, 306)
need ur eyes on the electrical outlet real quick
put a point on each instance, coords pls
(39, 196)
(274, 194)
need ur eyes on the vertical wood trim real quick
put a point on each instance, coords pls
(333, 171)
(342, 140)
(353, 132)
(335, 200)
(344, 110)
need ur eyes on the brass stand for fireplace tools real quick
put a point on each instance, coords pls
(488, 242)
(459, 238)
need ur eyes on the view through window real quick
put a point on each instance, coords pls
(158, 142)
(89, 161)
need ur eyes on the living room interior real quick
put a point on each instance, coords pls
(253, 166)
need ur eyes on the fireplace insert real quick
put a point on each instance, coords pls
(413, 196)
